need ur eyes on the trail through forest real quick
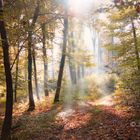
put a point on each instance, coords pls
(70, 70)
(83, 120)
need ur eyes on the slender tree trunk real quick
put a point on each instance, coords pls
(136, 44)
(6, 128)
(26, 71)
(30, 90)
(83, 70)
(45, 61)
(53, 72)
(16, 80)
(62, 63)
(30, 45)
(94, 41)
(72, 71)
(78, 72)
(72, 66)
(35, 75)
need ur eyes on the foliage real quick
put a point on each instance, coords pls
(81, 89)
(123, 28)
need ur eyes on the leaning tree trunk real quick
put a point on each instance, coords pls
(30, 45)
(45, 61)
(62, 63)
(6, 128)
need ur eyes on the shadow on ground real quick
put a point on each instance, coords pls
(87, 122)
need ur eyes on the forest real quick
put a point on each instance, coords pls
(69, 69)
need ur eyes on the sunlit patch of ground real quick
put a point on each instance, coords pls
(74, 117)
(76, 120)
(66, 113)
(106, 101)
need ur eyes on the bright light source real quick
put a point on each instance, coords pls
(79, 6)
(82, 6)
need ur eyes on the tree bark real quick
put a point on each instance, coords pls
(30, 90)
(6, 128)
(72, 66)
(30, 45)
(83, 70)
(62, 63)
(35, 75)
(53, 71)
(16, 80)
(45, 61)
(72, 72)
(78, 72)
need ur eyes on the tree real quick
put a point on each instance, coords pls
(35, 73)
(6, 128)
(30, 45)
(16, 78)
(43, 26)
(135, 44)
(72, 65)
(123, 21)
(62, 63)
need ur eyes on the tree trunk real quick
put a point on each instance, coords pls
(136, 44)
(78, 72)
(6, 128)
(26, 71)
(83, 70)
(16, 80)
(45, 61)
(35, 75)
(30, 45)
(62, 63)
(30, 90)
(72, 66)
(72, 72)
(53, 71)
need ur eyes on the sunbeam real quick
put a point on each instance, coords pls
(79, 7)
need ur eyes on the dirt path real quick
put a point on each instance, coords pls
(97, 120)
(106, 101)
(84, 120)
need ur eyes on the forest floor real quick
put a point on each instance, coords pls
(82, 120)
